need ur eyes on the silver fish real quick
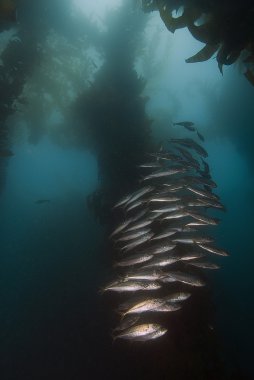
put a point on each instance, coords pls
(216, 251)
(134, 235)
(122, 201)
(160, 248)
(165, 234)
(121, 227)
(165, 199)
(203, 193)
(188, 156)
(193, 240)
(203, 264)
(161, 262)
(167, 308)
(176, 207)
(139, 331)
(186, 278)
(144, 275)
(141, 240)
(154, 335)
(134, 205)
(139, 215)
(133, 260)
(127, 322)
(190, 255)
(165, 173)
(132, 286)
(140, 224)
(150, 165)
(191, 144)
(138, 194)
(204, 219)
(176, 215)
(177, 297)
(145, 305)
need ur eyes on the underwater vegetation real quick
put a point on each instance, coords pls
(224, 26)
(111, 113)
(78, 83)
(20, 57)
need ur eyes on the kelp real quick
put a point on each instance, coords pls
(227, 30)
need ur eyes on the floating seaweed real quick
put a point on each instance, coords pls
(225, 27)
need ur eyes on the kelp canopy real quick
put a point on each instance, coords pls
(224, 26)
(112, 115)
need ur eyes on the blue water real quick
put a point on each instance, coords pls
(54, 256)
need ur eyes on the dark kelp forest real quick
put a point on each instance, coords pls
(87, 92)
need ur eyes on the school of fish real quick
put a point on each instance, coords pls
(162, 239)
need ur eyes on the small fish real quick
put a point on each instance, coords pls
(150, 165)
(144, 275)
(202, 193)
(176, 215)
(121, 227)
(161, 247)
(186, 124)
(161, 262)
(167, 308)
(127, 322)
(216, 251)
(165, 173)
(192, 145)
(140, 193)
(185, 278)
(138, 332)
(188, 156)
(202, 181)
(204, 219)
(175, 207)
(133, 260)
(123, 201)
(190, 255)
(164, 199)
(141, 240)
(165, 234)
(134, 235)
(201, 137)
(177, 297)
(196, 203)
(139, 215)
(134, 205)
(132, 286)
(206, 166)
(193, 240)
(213, 203)
(144, 306)
(154, 335)
(139, 225)
(204, 265)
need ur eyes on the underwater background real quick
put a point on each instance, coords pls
(87, 89)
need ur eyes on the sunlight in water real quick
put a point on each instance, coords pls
(98, 7)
